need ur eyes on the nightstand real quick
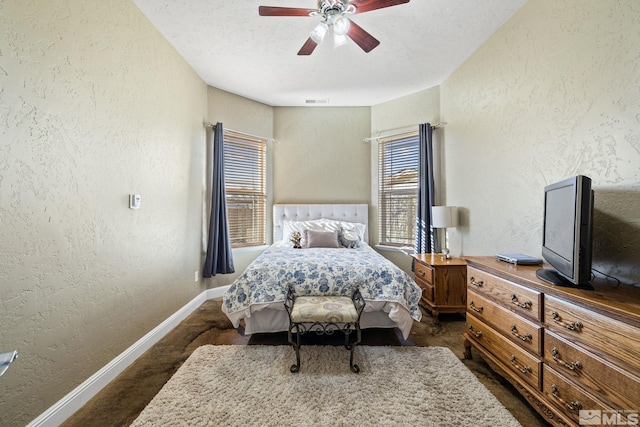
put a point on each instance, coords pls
(443, 282)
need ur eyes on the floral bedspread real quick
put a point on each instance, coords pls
(322, 271)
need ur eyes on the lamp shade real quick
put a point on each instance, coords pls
(341, 25)
(444, 216)
(339, 40)
(318, 33)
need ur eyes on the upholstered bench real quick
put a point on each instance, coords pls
(324, 315)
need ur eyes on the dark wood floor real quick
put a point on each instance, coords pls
(123, 399)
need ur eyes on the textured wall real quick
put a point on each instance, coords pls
(94, 105)
(239, 113)
(554, 93)
(320, 155)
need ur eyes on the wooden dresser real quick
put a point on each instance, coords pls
(565, 350)
(443, 282)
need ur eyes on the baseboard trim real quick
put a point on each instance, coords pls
(69, 404)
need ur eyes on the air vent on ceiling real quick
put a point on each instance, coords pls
(317, 101)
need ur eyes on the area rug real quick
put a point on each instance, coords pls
(252, 386)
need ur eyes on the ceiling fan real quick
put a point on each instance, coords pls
(334, 16)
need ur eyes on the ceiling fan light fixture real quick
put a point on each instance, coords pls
(339, 39)
(334, 15)
(318, 33)
(341, 25)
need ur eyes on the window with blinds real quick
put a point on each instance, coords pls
(398, 189)
(244, 176)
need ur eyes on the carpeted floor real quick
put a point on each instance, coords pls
(240, 386)
(123, 399)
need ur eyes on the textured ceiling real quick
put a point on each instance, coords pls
(234, 49)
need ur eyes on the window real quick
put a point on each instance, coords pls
(244, 176)
(398, 189)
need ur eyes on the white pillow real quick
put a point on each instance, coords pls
(353, 227)
(288, 227)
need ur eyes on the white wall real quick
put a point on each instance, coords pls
(553, 93)
(94, 105)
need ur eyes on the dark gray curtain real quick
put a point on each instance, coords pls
(219, 258)
(426, 239)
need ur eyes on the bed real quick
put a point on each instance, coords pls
(258, 294)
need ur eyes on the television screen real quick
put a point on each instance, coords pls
(559, 230)
(567, 232)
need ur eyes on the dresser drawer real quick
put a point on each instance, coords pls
(520, 330)
(566, 396)
(620, 389)
(606, 337)
(515, 359)
(423, 273)
(519, 299)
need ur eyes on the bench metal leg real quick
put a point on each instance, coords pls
(296, 346)
(354, 367)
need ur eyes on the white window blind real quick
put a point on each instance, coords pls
(244, 175)
(398, 189)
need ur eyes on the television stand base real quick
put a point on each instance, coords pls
(551, 276)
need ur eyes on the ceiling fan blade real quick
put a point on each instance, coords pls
(284, 11)
(363, 39)
(308, 47)
(368, 5)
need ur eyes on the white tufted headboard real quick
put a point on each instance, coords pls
(344, 212)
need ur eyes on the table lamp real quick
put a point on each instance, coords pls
(444, 217)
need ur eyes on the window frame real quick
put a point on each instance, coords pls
(245, 184)
(405, 193)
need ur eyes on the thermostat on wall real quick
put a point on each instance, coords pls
(134, 201)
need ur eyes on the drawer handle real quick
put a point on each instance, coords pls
(572, 366)
(523, 369)
(421, 273)
(477, 334)
(474, 308)
(478, 283)
(514, 332)
(575, 405)
(526, 305)
(573, 326)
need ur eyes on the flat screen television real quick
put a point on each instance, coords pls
(567, 232)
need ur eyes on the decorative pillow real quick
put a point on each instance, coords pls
(320, 239)
(349, 239)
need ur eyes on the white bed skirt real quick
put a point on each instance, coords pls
(377, 314)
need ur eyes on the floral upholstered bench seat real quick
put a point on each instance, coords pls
(330, 309)
(324, 314)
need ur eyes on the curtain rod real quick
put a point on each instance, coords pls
(211, 125)
(404, 129)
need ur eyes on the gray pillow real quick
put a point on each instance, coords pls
(320, 239)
